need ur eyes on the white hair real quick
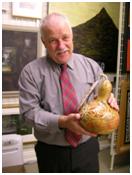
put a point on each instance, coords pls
(45, 20)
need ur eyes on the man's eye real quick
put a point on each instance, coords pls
(65, 38)
(52, 41)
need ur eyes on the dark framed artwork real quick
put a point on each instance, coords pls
(19, 47)
(97, 38)
(123, 134)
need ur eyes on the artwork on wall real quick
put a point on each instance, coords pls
(27, 9)
(95, 30)
(98, 39)
(18, 49)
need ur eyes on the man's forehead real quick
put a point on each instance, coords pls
(51, 27)
(56, 21)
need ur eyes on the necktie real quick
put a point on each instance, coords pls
(69, 103)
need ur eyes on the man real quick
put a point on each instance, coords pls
(42, 102)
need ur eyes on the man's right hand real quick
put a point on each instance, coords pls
(71, 122)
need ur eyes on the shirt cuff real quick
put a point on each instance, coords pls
(53, 123)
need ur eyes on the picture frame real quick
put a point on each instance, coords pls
(123, 133)
(27, 9)
(19, 47)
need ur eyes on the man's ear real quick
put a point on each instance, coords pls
(43, 41)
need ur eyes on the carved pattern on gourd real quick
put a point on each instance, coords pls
(98, 116)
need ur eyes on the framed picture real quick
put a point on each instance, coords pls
(27, 9)
(19, 47)
(123, 134)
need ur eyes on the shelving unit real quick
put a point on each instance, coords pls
(121, 75)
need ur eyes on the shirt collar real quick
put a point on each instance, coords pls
(57, 66)
(70, 62)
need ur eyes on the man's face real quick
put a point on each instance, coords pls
(58, 41)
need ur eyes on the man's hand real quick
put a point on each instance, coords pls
(113, 102)
(71, 122)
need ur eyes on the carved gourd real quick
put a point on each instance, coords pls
(98, 116)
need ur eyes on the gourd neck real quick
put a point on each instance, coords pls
(103, 97)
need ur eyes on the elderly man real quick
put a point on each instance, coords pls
(51, 89)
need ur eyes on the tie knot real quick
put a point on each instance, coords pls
(63, 67)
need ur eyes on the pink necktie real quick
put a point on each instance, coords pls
(69, 103)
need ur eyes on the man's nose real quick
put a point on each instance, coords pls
(61, 44)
